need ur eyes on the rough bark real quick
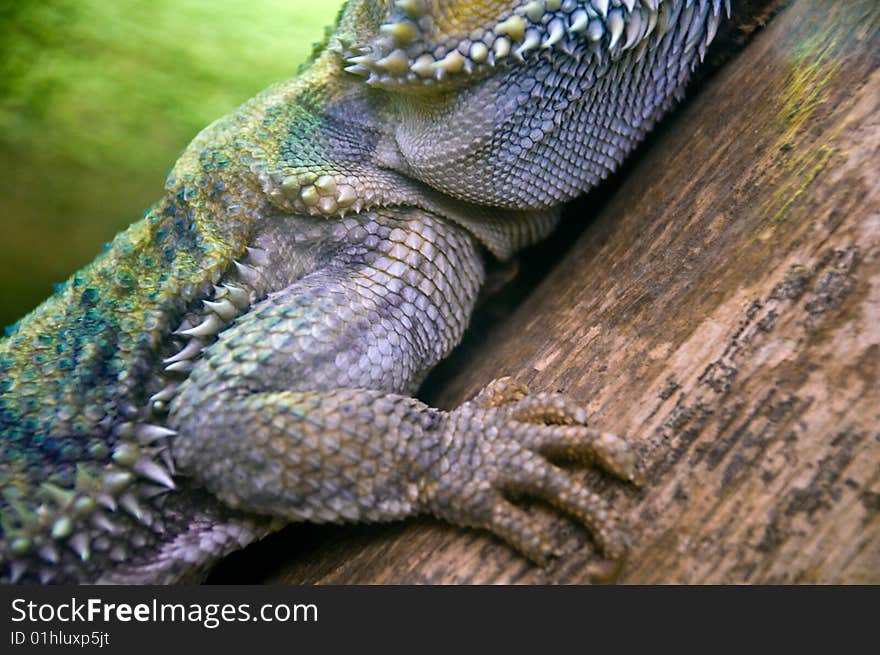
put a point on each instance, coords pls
(723, 309)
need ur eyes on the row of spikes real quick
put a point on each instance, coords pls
(81, 518)
(229, 302)
(139, 474)
(540, 23)
(401, 54)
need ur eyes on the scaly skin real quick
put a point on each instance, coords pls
(244, 356)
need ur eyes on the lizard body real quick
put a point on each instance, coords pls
(245, 355)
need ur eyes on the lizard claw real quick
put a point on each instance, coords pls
(500, 392)
(501, 444)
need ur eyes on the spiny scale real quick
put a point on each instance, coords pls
(407, 49)
(230, 301)
(141, 468)
(74, 517)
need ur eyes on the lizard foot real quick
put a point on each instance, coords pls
(501, 445)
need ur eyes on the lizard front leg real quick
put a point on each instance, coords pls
(299, 410)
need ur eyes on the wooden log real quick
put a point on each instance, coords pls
(723, 310)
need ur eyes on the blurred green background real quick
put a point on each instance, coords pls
(98, 98)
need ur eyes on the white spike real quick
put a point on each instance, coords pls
(62, 528)
(714, 21)
(164, 395)
(238, 296)
(357, 69)
(224, 309)
(106, 500)
(117, 480)
(248, 273)
(501, 47)
(395, 64)
(190, 350)
(209, 327)
(423, 66)
(615, 27)
(179, 367)
(652, 23)
(80, 544)
(152, 471)
(635, 28)
(148, 433)
(130, 504)
(453, 62)
(17, 569)
(629, 4)
(532, 41)
(362, 60)
(579, 21)
(557, 31)
(372, 80)
(601, 6)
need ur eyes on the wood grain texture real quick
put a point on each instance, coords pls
(723, 310)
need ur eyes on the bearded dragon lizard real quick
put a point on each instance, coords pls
(245, 355)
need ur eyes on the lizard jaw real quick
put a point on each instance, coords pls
(421, 46)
